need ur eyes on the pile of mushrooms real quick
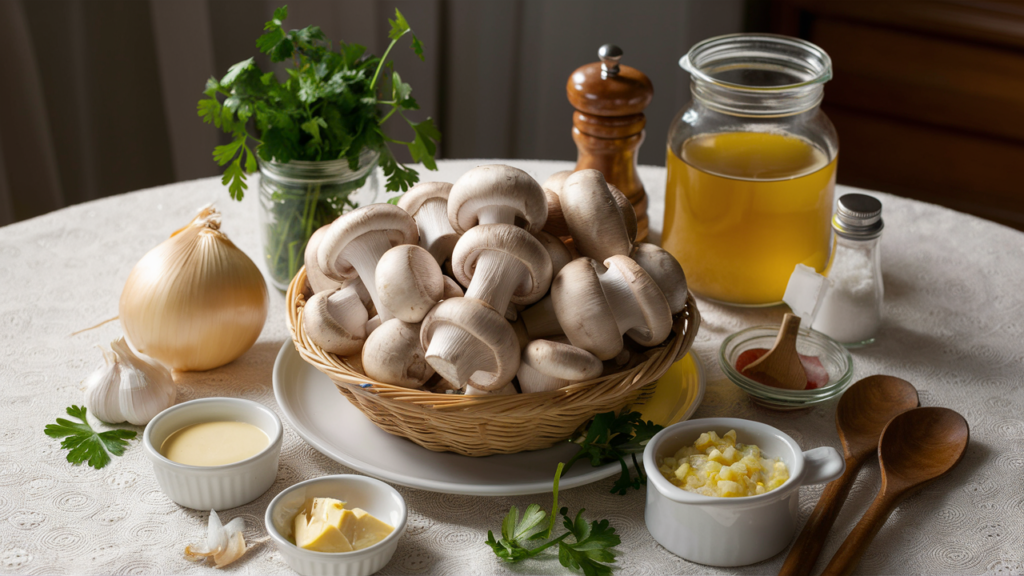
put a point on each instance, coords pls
(491, 285)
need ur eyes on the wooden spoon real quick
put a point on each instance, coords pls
(917, 447)
(863, 411)
(781, 367)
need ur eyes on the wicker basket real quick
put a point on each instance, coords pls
(484, 425)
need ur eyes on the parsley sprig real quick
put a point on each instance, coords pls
(590, 549)
(331, 106)
(85, 444)
(612, 437)
(608, 438)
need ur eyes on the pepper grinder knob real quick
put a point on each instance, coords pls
(610, 54)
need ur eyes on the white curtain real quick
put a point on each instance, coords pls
(99, 97)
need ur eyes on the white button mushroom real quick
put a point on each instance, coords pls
(501, 263)
(666, 272)
(540, 321)
(409, 282)
(356, 241)
(596, 306)
(451, 289)
(497, 194)
(467, 342)
(428, 204)
(548, 365)
(318, 281)
(336, 321)
(595, 221)
(626, 209)
(557, 252)
(506, 390)
(393, 355)
(556, 220)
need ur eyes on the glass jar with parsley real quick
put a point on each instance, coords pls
(298, 197)
(317, 137)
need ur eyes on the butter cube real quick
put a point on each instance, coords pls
(363, 529)
(324, 525)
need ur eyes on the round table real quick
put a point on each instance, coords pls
(953, 326)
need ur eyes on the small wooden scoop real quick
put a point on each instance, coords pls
(862, 414)
(918, 446)
(781, 366)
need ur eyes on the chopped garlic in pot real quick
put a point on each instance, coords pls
(719, 466)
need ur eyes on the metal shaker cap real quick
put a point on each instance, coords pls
(858, 217)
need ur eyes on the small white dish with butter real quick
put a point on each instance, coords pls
(214, 453)
(729, 528)
(343, 525)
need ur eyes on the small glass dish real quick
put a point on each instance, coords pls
(834, 357)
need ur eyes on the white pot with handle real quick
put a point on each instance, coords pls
(720, 531)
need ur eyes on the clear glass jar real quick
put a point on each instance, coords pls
(751, 167)
(298, 197)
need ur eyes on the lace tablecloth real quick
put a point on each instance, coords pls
(954, 326)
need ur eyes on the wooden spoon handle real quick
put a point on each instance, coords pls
(807, 548)
(849, 554)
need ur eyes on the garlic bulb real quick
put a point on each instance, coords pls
(128, 388)
(196, 301)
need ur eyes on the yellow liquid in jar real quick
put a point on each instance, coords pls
(742, 209)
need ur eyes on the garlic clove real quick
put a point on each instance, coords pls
(101, 390)
(224, 543)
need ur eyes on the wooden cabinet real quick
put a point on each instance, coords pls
(927, 96)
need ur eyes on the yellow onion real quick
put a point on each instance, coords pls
(196, 301)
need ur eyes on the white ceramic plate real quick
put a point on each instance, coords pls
(323, 417)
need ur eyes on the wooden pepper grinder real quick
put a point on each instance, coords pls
(608, 125)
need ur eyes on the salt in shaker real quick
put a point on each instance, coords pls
(847, 305)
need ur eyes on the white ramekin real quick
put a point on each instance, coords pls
(214, 487)
(731, 531)
(370, 494)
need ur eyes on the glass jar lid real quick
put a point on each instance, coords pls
(758, 74)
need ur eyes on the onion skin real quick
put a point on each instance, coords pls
(195, 302)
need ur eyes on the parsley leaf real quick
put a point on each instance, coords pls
(84, 443)
(612, 437)
(591, 551)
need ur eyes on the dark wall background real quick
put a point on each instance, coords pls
(99, 96)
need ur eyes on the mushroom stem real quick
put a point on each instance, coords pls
(364, 253)
(436, 232)
(624, 306)
(496, 278)
(497, 214)
(457, 355)
(540, 320)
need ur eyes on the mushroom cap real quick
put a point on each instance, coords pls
(420, 193)
(318, 281)
(335, 321)
(594, 218)
(393, 355)
(510, 240)
(451, 289)
(626, 209)
(562, 361)
(666, 272)
(556, 219)
(557, 252)
(409, 282)
(653, 304)
(496, 184)
(583, 310)
(388, 218)
(488, 327)
(557, 180)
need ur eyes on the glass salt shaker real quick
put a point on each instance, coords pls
(850, 311)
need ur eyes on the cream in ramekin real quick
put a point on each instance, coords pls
(214, 487)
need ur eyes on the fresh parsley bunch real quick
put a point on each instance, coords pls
(331, 105)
